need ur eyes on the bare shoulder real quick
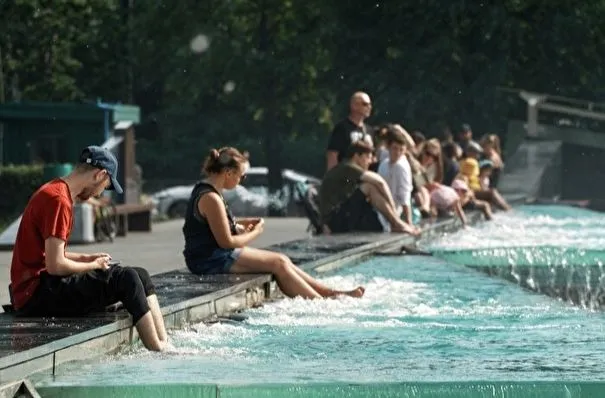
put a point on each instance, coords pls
(211, 200)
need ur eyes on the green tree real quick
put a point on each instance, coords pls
(56, 52)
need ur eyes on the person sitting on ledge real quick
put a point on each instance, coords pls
(48, 280)
(350, 196)
(216, 244)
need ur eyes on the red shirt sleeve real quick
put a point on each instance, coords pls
(57, 219)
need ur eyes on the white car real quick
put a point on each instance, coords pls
(249, 199)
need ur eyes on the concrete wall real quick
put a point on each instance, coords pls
(574, 172)
(583, 172)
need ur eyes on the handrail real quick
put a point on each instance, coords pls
(589, 104)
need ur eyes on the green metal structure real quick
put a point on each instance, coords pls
(40, 132)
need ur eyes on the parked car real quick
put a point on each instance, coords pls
(251, 198)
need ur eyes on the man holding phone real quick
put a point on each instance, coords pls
(48, 280)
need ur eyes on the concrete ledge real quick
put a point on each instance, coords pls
(187, 298)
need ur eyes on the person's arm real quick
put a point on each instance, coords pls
(55, 229)
(331, 159)
(241, 228)
(57, 263)
(334, 146)
(85, 257)
(213, 208)
(246, 221)
(375, 179)
(460, 212)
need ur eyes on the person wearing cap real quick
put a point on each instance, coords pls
(446, 199)
(48, 280)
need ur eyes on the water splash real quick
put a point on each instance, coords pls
(553, 250)
(552, 227)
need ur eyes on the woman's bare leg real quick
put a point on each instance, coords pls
(324, 290)
(289, 281)
(424, 199)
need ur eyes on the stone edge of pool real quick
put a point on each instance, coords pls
(220, 303)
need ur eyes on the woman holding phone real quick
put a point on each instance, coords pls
(215, 243)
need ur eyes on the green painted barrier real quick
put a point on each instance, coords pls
(56, 170)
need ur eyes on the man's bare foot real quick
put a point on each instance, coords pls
(399, 228)
(405, 229)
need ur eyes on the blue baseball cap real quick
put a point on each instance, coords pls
(102, 158)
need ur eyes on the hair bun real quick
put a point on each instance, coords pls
(214, 154)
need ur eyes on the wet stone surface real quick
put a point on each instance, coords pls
(20, 334)
(177, 286)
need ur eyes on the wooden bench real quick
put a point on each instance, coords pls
(133, 217)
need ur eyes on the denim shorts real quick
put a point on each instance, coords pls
(219, 262)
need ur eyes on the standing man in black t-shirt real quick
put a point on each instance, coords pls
(350, 129)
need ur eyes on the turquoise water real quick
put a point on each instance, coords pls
(530, 235)
(423, 319)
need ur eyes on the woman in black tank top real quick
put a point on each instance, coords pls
(216, 243)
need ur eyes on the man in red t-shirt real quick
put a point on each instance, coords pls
(48, 280)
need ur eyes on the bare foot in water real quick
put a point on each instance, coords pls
(357, 292)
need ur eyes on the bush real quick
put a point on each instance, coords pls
(18, 184)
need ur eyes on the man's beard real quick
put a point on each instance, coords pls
(89, 192)
(85, 195)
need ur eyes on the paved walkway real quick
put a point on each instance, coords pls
(161, 250)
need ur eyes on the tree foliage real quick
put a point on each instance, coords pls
(273, 76)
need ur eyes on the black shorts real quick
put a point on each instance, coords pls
(355, 214)
(85, 293)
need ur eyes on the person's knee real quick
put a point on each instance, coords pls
(132, 293)
(280, 263)
(366, 188)
(129, 279)
(146, 280)
(483, 205)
